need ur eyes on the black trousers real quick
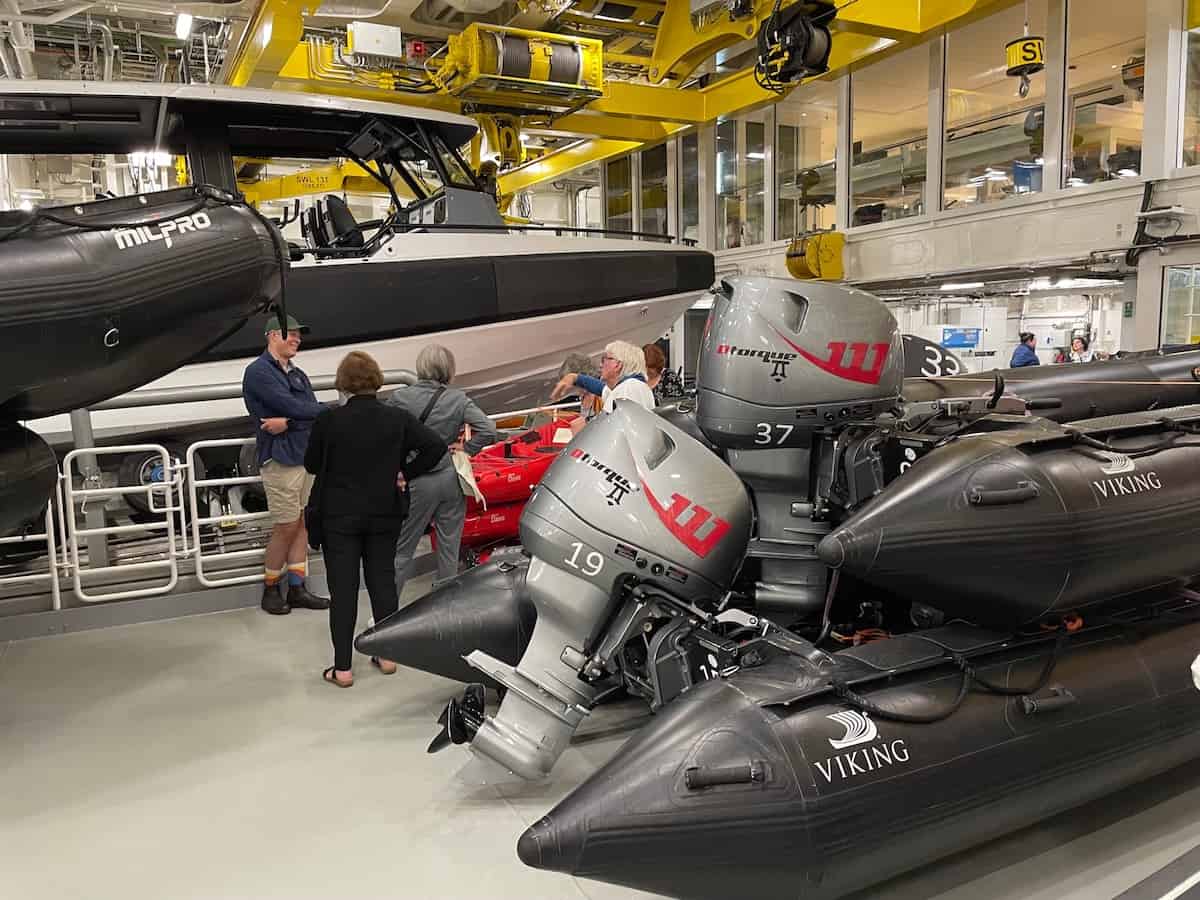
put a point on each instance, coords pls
(349, 542)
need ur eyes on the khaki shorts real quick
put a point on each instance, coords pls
(287, 489)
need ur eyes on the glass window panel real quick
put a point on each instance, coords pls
(689, 186)
(889, 126)
(1181, 306)
(618, 200)
(805, 147)
(654, 190)
(993, 141)
(62, 179)
(1105, 80)
(1191, 102)
(741, 179)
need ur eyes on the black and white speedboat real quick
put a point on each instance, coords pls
(511, 301)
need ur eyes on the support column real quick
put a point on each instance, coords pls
(81, 434)
(1164, 88)
(934, 145)
(1055, 120)
(770, 181)
(706, 184)
(843, 158)
(673, 218)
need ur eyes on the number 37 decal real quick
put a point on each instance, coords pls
(766, 433)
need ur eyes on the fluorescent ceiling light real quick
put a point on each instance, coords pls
(183, 26)
(756, 155)
(961, 285)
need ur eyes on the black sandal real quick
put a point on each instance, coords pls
(330, 676)
(377, 664)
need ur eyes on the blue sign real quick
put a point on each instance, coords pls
(961, 337)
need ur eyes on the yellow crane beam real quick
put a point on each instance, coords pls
(349, 177)
(554, 164)
(271, 36)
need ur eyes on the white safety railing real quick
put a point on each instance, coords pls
(176, 496)
(54, 565)
(197, 520)
(168, 490)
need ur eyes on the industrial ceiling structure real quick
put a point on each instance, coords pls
(556, 84)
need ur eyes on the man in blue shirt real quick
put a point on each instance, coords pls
(1024, 355)
(280, 398)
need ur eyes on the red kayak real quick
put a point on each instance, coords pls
(506, 474)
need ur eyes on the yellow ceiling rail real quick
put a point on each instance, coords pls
(271, 36)
(555, 164)
(1193, 14)
(348, 177)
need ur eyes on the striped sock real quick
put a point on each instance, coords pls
(273, 576)
(296, 573)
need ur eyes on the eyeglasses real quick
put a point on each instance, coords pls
(606, 358)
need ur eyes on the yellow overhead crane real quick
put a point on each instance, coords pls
(617, 84)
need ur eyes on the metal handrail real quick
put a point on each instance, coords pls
(229, 390)
(401, 228)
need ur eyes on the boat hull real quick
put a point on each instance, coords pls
(821, 821)
(486, 356)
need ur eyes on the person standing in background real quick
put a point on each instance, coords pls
(656, 364)
(437, 496)
(1024, 355)
(622, 377)
(360, 454)
(1080, 352)
(281, 400)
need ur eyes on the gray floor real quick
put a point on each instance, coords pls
(204, 758)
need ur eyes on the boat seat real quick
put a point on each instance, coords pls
(317, 235)
(344, 229)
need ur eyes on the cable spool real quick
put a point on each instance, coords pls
(516, 56)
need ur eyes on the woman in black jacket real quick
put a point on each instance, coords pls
(360, 453)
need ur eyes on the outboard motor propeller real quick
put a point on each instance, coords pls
(636, 524)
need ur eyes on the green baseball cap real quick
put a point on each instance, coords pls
(292, 324)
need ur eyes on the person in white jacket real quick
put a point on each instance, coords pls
(622, 377)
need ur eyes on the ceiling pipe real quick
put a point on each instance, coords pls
(53, 18)
(22, 42)
(7, 61)
(110, 51)
(340, 9)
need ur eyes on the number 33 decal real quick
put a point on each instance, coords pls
(938, 363)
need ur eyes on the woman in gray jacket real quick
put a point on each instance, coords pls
(436, 496)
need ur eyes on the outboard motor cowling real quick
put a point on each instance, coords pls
(785, 366)
(632, 509)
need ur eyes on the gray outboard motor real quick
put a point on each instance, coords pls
(635, 524)
(784, 367)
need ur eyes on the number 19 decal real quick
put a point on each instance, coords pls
(592, 563)
(766, 433)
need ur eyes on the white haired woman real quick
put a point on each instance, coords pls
(436, 496)
(622, 377)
